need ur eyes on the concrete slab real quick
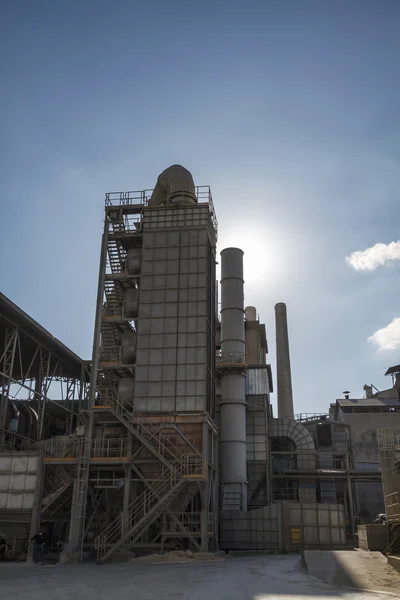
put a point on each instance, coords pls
(394, 561)
(276, 577)
(352, 568)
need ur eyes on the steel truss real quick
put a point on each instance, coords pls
(37, 369)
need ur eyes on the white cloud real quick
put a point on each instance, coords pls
(387, 338)
(371, 258)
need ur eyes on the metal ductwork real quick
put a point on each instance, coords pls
(284, 377)
(233, 383)
(175, 185)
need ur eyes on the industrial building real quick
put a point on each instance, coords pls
(166, 438)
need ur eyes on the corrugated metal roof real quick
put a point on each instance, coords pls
(33, 334)
(368, 402)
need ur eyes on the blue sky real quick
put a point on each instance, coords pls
(289, 110)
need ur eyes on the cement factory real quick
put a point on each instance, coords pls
(165, 439)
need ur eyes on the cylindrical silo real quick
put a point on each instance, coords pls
(283, 372)
(233, 382)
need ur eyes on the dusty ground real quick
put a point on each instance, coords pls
(176, 556)
(355, 568)
(275, 577)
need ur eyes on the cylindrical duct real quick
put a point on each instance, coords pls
(126, 390)
(233, 382)
(284, 377)
(133, 263)
(232, 306)
(131, 302)
(250, 313)
(128, 347)
(233, 428)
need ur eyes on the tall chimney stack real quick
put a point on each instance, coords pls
(232, 441)
(284, 377)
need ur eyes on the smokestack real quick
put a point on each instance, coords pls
(233, 382)
(284, 377)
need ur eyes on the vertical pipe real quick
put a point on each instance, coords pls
(98, 319)
(351, 501)
(36, 508)
(284, 377)
(127, 486)
(233, 388)
(205, 493)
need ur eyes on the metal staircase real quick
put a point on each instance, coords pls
(141, 513)
(57, 480)
(116, 255)
(81, 486)
(148, 434)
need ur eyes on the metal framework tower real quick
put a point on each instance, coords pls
(150, 436)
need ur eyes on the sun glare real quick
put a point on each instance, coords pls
(263, 253)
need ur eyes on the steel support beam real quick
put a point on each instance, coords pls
(11, 337)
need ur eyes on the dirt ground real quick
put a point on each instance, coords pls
(177, 556)
(274, 577)
(354, 568)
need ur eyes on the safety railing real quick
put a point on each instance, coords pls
(193, 464)
(138, 509)
(105, 397)
(142, 197)
(128, 198)
(108, 448)
(186, 467)
(65, 448)
(151, 432)
(112, 354)
(304, 417)
(230, 359)
(56, 480)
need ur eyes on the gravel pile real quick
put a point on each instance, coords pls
(176, 556)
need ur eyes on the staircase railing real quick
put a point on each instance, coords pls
(145, 428)
(137, 510)
(188, 467)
